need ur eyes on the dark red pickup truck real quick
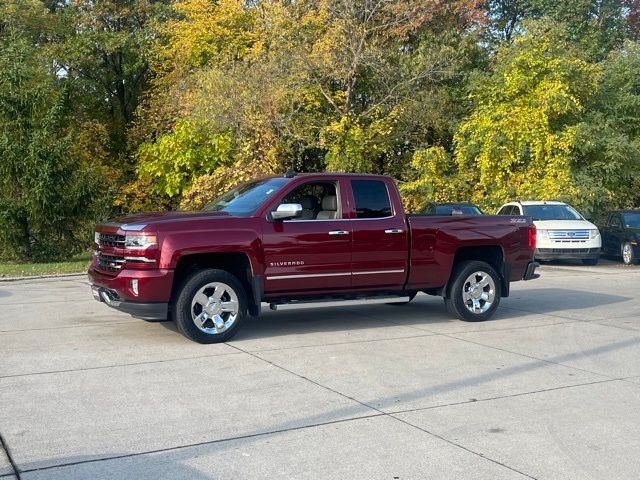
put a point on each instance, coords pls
(304, 239)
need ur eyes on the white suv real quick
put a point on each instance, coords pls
(562, 232)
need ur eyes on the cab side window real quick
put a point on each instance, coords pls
(319, 201)
(508, 210)
(371, 198)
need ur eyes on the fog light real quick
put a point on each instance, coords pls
(134, 287)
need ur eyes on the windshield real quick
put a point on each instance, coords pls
(457, 210)
(246, 199)
(631, 220)
(551, 212)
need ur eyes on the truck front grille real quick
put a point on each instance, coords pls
(109, 263)
(110, 240)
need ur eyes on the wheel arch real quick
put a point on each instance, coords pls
(236, 263)
(491, 254)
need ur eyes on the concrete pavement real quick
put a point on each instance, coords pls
(549, 388)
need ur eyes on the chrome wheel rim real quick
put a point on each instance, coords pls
(214, 308)
(627, 253)
(478, 292)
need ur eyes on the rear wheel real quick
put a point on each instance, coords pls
(475, 292)
(210, 307)
(628, 255)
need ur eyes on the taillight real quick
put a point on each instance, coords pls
(532, 237)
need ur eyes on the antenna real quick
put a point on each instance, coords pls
(290, 173)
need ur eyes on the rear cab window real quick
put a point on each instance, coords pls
(371, 199)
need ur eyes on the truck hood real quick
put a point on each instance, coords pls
(564, 225)
(140, 220)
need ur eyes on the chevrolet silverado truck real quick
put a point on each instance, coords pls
(301, 241)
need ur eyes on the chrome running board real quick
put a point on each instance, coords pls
(294, 304)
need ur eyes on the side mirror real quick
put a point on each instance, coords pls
(588, 217)
(287, 210)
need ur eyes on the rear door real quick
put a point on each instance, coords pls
(312, 253)
(380, 246)
(613, 234)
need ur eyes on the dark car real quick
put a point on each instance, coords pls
(459, 208)
(621, 235)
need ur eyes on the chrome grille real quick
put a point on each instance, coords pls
(109, 263)
(569, 234)
(110, 240)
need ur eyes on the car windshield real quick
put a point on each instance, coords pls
(551, 212)
(631, 220)
(245, 200)
(457, 210)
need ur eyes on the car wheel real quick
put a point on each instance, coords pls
(628, 255)
(210, 307)
(474, 294)
(397, 304)
(590, 261)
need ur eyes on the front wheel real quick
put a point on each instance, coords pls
(210, 307)
(628, 255)
(475, 292)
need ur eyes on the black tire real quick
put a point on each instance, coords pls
(631, 258)
(590, 261)
(398, 304)
(456, 304)
(182, 311)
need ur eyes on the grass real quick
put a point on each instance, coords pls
(77, 264)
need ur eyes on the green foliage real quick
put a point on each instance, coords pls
(433, 178)
(520, 140)
(46, 194)
(608, 138)
(172, 162)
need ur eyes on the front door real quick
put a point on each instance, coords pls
(312, 253)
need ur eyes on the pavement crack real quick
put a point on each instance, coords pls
(7, 452)
(102, 367)
(380, 413)
(531, 357)
(200, 444)
(473, 452)
(511, 395)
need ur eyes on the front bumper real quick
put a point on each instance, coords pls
(566, 253)
(145, 311)
(153, 292)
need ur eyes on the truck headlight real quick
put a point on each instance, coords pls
(594, 233)
(140, 241)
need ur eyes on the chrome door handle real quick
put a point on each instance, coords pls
(393, 230)
(338, 232)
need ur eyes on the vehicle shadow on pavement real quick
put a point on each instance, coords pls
(5, 293)
(550, 300)
(423, 311)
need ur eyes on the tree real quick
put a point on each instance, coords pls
(608, 138)
(520, 141)
(47, 191)
(103, 47)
